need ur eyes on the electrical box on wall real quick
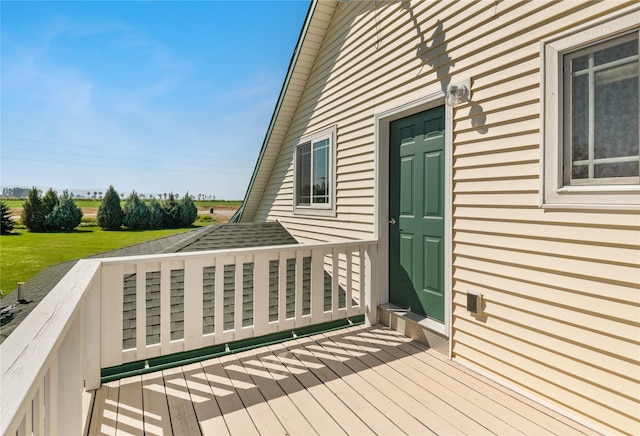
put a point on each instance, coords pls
(474, 302)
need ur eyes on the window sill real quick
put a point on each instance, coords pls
(594, 197)
(314, 212)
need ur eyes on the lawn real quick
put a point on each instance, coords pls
(23, 254)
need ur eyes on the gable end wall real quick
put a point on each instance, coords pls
(561, 318)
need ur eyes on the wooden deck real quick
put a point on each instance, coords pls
(362, 380)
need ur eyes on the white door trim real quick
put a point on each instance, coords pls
(383, 118)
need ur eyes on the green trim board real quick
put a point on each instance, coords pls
(187, 357)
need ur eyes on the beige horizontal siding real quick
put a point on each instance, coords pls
(561, 288)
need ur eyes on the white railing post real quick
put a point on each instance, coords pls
(69, 382)
(112, 278)
(92, 334)
(371, 284)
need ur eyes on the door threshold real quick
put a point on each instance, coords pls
(413, 326)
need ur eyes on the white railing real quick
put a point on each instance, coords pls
(176, 302)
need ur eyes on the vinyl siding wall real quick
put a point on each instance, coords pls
(561, 289)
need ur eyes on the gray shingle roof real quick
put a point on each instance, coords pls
(213, 237)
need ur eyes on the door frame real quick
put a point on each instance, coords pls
(383, 117)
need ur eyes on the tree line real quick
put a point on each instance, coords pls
(151, 214)
(60, 213)
(18, 193)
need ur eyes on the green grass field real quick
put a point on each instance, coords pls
(24, 254)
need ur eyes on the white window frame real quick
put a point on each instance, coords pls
(554, 193)
(319, 209)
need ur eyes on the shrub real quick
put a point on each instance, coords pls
(49, 202)
(188, 211)
(66, 215)
(172, 211)
(89, 222)
(33, 213)
(6, 223)
(110, 215)
(136, 213)
(157, 215)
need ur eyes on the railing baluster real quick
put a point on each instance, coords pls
(238, 291)
(218, 302)
(283, 322)
(261, 294)
(141, 310)
(317, 283)
(335, 285)
(298, 287)
(193, 303)
(361, 278)
(349, 281)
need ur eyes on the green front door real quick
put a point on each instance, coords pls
(416, 205)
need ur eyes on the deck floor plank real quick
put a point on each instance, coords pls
(360, 380)
(157, 420)
(130, 419)
(233, 410)
(205, 404)
(261, 413)
(104, 416)
(180, 403)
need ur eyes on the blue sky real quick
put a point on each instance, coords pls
(155, 96)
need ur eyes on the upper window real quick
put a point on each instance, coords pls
(592, 129)
(601, 106)
(314, 182)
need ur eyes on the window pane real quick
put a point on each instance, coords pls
(616, 113)
(303, 175)
(580, 118)
(604, 110)
(321, 171)
(614, 53)
(580, 63)
(622, 169)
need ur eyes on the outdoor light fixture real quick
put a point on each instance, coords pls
(459, 93)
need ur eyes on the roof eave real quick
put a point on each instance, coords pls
(240, 216)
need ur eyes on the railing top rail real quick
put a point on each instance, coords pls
(236, 251)
(24, 354)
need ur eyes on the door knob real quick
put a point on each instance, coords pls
(392, 221)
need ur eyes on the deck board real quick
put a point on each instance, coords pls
(130, 418)
(157, 419)
(205, 406)
(361, 380)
